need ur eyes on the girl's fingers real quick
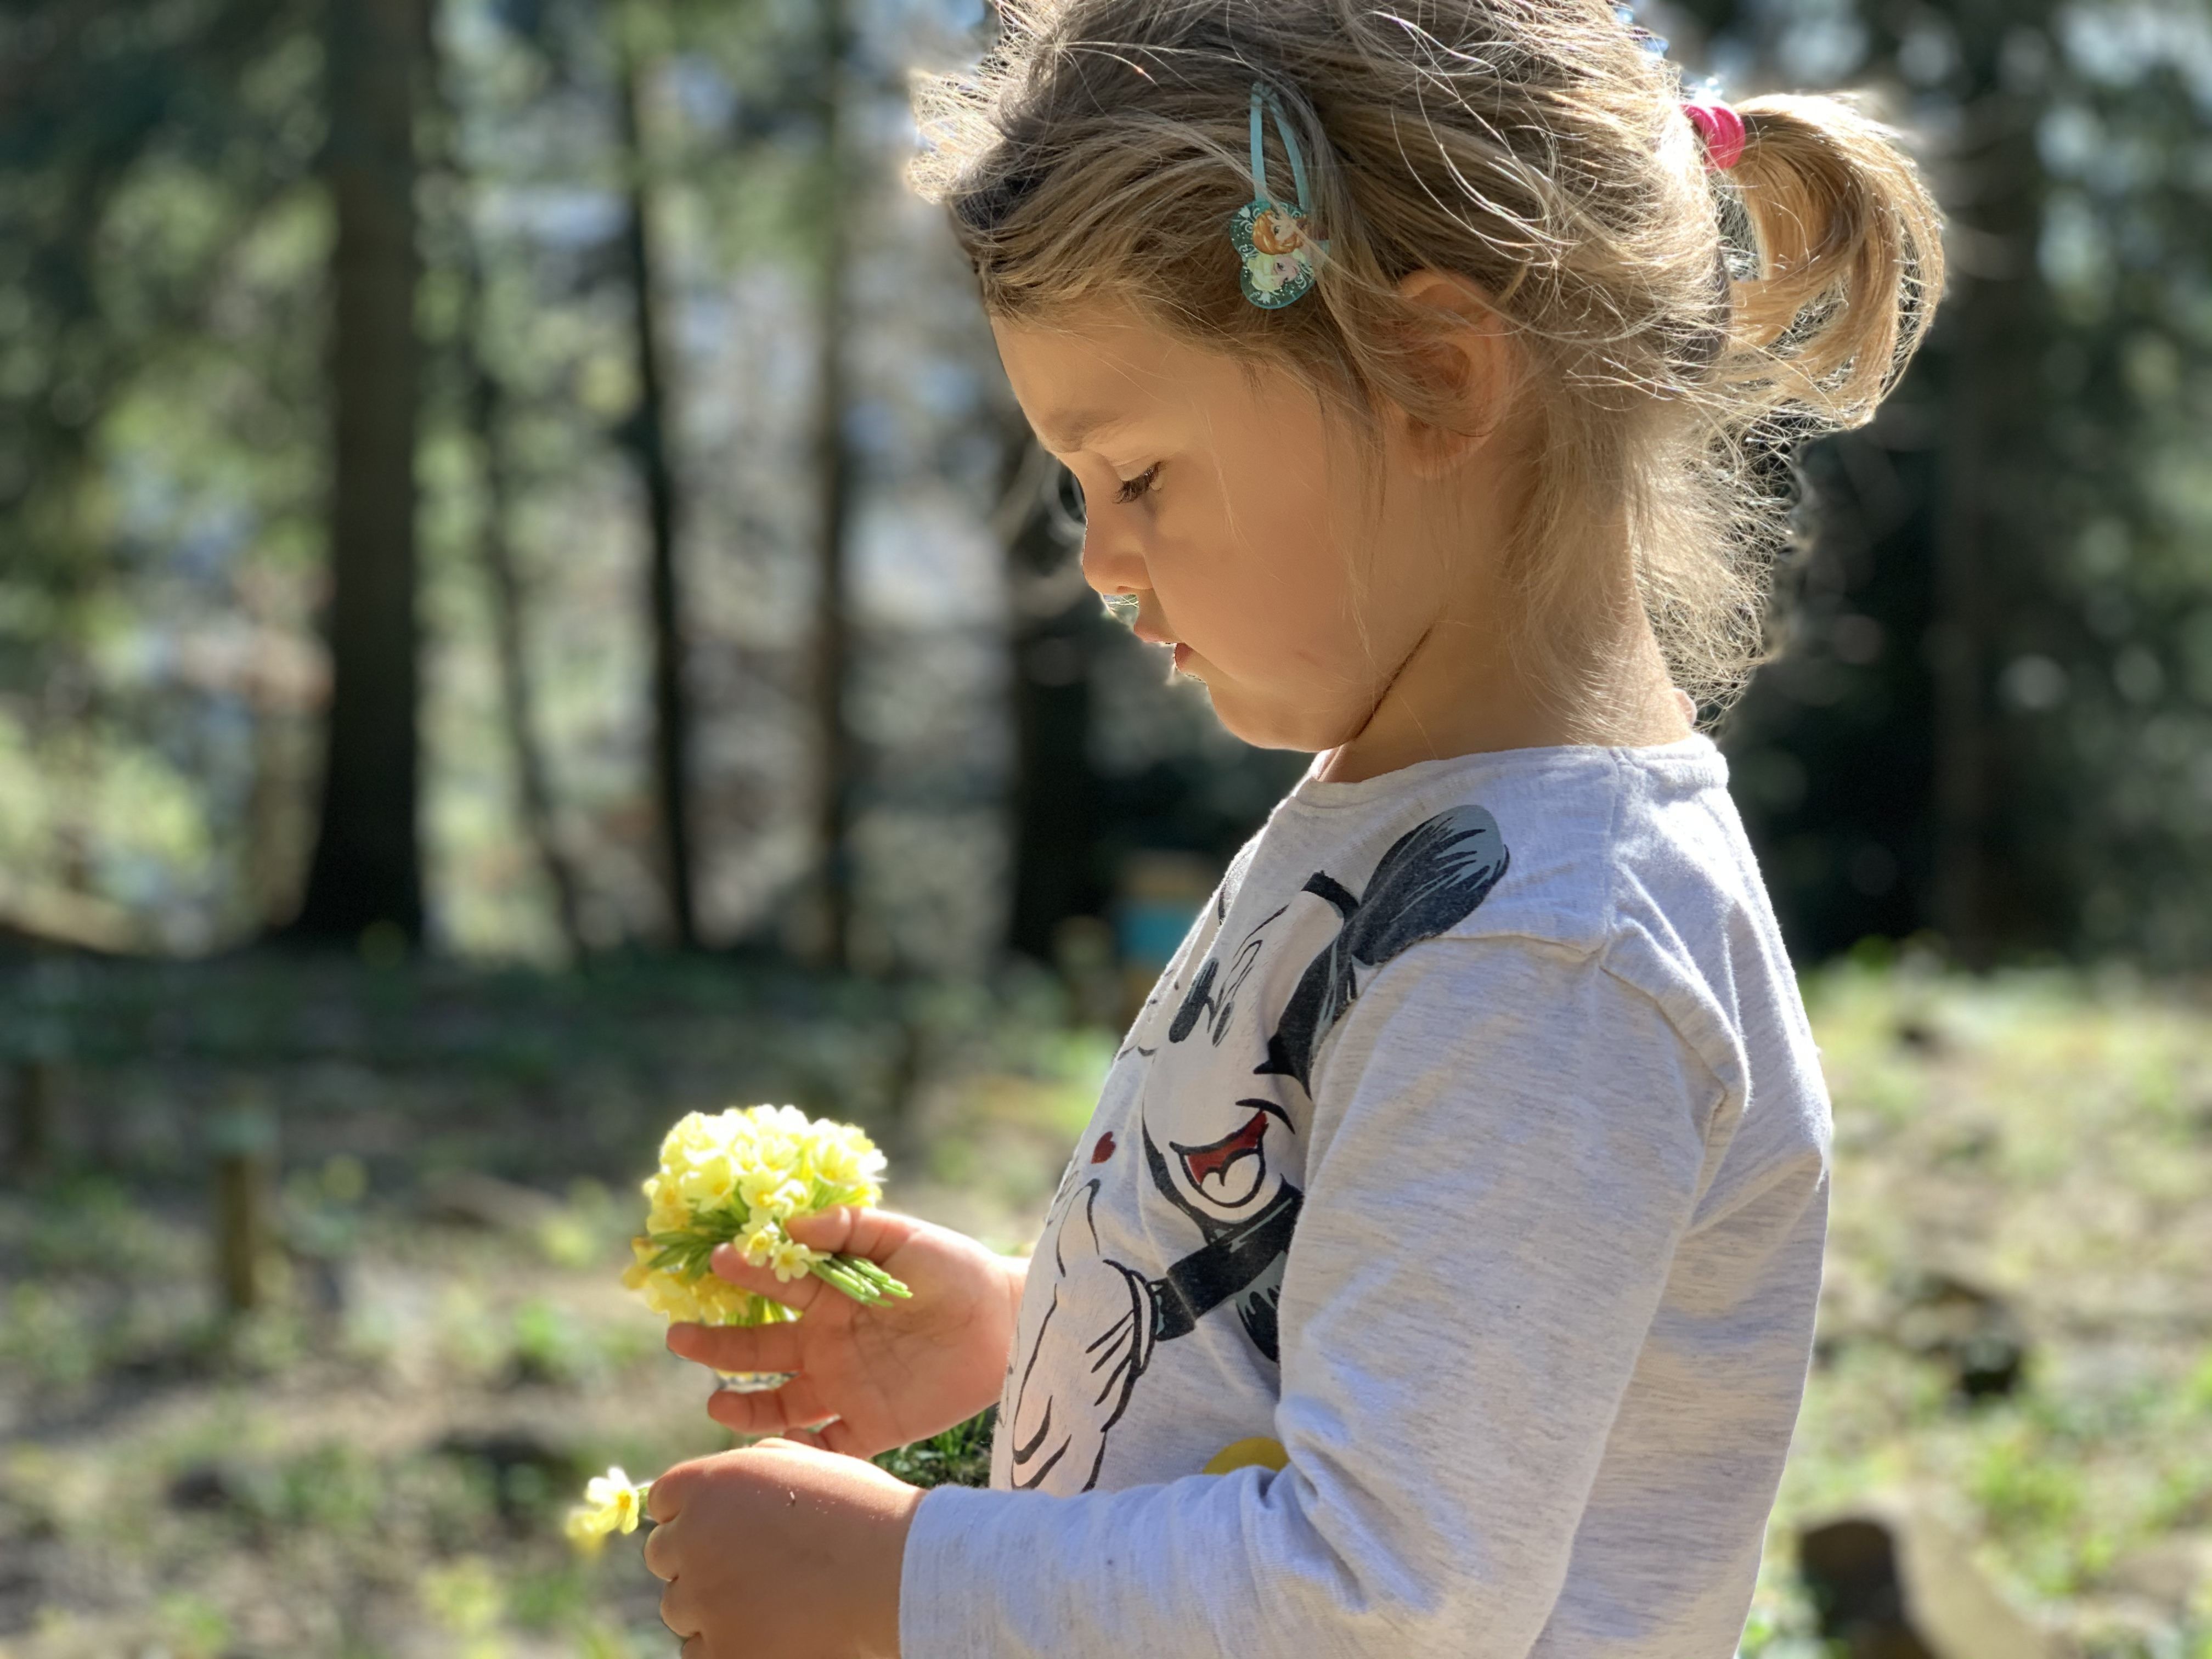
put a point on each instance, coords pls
(797, 1404)
(850, 1231)
(737, 1347)
(660, 1548)
(677, 1617)
(799, 1293)
(839, 1437)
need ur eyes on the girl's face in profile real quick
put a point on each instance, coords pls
(1258, 540)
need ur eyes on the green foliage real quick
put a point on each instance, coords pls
(1991, 712)
(960, 1456)
(2045, 1132)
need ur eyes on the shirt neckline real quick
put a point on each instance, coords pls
(1696, 751)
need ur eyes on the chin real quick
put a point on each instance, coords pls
(1306, 730)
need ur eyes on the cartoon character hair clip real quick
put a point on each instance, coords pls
(1279, 253)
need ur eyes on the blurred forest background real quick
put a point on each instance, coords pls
(525, 606)
(522, 478)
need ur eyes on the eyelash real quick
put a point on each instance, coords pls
(1140, 485)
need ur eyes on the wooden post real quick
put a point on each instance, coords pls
(244, 1141)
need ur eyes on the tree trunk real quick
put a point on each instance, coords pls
(367, 872)
(834, 749)
(1053, 619)
(510, 634)
(649, 441)
(484, 398)
(1990, 532)
(534, 801)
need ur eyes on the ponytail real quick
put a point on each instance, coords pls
(1850, 256)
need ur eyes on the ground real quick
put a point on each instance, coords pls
(2017, 1333)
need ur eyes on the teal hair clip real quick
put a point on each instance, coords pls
(1279, 252)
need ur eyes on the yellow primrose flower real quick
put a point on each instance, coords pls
(721, 1302)
(706, 1180)
(691, 1130)
(791, 1260)
(789, 1199)
(837, 1162)
(611, 1504)
(760, 1245)
(669, 1214)
(755, 1184)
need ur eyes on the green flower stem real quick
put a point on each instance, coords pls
(859, 1278)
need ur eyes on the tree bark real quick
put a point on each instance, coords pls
(648, 436)
(533, 778)
(1990, 530)
(834, 748)
(484, 401)
(1052, 619)
(365, 872)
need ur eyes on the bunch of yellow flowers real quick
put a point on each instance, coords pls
(739, 1177)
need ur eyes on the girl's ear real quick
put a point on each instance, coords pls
(1461, 352)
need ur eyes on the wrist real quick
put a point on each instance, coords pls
(1016, 1269)
(879, 1635)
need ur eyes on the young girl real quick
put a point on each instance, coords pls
(1437, 1275)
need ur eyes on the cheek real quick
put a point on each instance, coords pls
(1265, 574)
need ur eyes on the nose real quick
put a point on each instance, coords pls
(1112, 562)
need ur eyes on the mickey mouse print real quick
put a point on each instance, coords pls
(1148, 1337)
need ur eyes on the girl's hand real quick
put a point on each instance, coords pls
(886, 1375)
(782, 1549)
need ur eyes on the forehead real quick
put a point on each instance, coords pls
(1079, 381)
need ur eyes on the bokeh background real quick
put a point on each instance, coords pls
(526, 608)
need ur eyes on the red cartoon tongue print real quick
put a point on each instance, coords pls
(1209, 1166)
(1104, 1149)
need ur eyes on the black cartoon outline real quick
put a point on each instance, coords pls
(1219, 1010)
(1430, 879)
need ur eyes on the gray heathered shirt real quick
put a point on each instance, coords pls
(1460, 1192)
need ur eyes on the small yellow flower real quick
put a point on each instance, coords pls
(791, 1260)
(706, 1182)
(611, 1504)
(691, 1132)
(721, 1302)
(757, 1184)
(759, 1246)
(671, 1216)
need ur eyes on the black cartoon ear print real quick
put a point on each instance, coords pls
(1431, 879)
(1203, 1001)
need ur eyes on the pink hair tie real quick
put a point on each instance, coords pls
(1721, 129)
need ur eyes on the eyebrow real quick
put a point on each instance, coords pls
(1062, 433)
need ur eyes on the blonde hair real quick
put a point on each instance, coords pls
(1681, 327)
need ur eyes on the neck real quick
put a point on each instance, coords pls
(1464, 689)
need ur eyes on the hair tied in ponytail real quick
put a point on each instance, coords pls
(1721, 129)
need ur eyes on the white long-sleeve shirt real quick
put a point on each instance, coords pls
(1460, 1192)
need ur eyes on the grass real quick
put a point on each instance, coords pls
(376, 1462)
(2047, 1139)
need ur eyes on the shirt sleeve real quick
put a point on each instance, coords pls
(1506, 1148)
